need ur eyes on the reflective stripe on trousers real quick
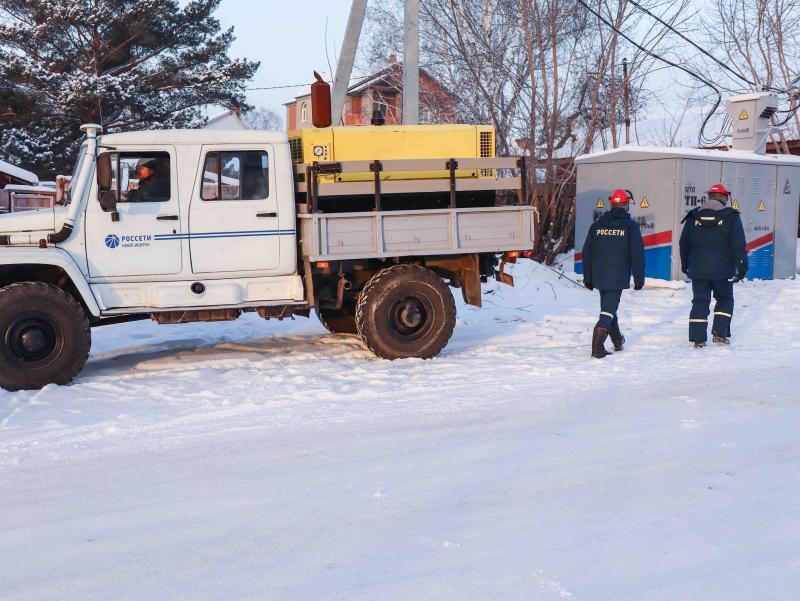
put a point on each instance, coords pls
(723, 310)
(609, 303)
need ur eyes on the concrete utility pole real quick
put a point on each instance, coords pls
(411, 64)
(344, 69)
(627, 101)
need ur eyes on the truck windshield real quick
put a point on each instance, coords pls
(78, 165)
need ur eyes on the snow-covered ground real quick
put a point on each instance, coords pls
(264, 461)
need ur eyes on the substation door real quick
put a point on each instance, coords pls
(787, 198)
(753, 192)
(652, 182)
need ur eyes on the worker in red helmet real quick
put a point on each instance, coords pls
(613, 251)
(713, 249)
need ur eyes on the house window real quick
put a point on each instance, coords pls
(304, 112)
(236, 176)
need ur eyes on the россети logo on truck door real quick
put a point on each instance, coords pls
(128, 241)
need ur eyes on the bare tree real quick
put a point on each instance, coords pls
(545, 73)
(263, 118)
(672, 128)
(471, 47)
(759, 40)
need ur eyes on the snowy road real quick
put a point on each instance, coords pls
(259, 460)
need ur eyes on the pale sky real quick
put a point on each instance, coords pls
(288, 37)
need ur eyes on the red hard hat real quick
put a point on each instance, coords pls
(619, 197)
(719, 189)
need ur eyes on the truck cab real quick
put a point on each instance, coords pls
(190, 221)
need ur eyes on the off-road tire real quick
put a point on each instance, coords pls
(44, 336)
(337, 321)
(393, 301)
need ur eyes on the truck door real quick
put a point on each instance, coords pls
(141, 235)
(233, 217)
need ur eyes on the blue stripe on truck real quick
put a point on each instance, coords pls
(211, 235)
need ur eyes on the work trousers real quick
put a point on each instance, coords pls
(723, 310)
(609, 304)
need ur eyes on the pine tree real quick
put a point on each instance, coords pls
(125, 64)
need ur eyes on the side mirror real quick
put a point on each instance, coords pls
(108, 200)
(104, 172)
(106, 196)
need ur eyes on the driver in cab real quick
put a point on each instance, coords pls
(153, 184)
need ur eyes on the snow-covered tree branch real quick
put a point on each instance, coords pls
(120, 63)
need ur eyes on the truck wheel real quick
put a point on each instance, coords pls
(406, 311)
(45, 336)
(337, 321)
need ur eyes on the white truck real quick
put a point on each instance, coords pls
(202, 225)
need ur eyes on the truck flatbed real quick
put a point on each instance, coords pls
(430, 232)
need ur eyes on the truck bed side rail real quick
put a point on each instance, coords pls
(409, 176)
(387, 234)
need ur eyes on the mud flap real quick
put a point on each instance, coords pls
(471, 280)
(308, 279)
(503, 277)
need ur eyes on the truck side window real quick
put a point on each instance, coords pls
(141, 177)
(241, 175)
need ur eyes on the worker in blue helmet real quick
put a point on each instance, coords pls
(612, 253)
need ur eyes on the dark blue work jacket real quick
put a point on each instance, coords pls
(613, 251)
(713, 245)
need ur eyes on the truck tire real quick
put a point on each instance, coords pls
(337, 321)
(406, 311)
(45, 336)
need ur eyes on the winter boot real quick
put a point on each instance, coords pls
(617, 339)
(721, 340)
(699, 345)
(599, 336)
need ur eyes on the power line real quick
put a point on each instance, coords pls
(789, 116)
(704, 51)
(701, 138)
(303, 85)
(790, 91)
(283, 87)
(795, 97)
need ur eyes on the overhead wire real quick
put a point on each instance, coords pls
(790, 91)
(283, 87)
(789, 116)
(354, 77)
(706, 52)
(704, 141)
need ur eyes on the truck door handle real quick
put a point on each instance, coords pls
(266, 214)
(167, 218)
